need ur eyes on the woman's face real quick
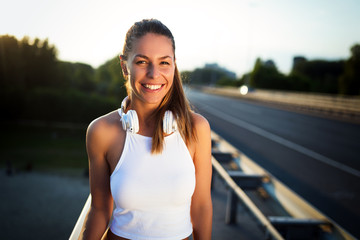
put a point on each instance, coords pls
(151, 68)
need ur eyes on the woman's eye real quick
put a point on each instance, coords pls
(140, 62)
(165, 63)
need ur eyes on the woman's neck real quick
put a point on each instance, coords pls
(145, 113)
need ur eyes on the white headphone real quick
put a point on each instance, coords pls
(130, 121)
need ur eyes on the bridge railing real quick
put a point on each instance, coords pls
(236, 191)
(75, 234)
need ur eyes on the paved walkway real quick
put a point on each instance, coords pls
(246, 227)
(46, 206)
(40, 205)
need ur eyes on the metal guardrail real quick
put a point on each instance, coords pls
(295, 212)
(241, 174)
(245, 199)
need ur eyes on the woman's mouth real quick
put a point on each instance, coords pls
(152, 86)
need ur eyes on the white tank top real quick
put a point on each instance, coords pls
(152, 192)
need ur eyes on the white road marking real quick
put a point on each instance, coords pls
(282, 141)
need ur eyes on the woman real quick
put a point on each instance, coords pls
(152, 158)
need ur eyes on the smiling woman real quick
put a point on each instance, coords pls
(156, 164)
(152, 68)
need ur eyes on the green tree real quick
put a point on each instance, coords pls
(265, 75)
(109, 79)
(349, 81)
(10, 63)
(38, 63)
(316, 75)
(254, 75)
(78, 76)
(34, 84)
(226, 81)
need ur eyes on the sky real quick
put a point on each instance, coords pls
(232, 33)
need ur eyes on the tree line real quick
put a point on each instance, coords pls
(335, 77)
(36, 85)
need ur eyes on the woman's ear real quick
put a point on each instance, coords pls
(123, 66)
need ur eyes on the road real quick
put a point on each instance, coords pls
(318, 158)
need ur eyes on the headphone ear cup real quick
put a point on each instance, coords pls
(130, 121)
(169, 123)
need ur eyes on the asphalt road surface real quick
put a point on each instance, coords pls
(316, 157)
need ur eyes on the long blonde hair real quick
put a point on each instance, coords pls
(175, 99)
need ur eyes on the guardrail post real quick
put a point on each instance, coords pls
(213, 178)
(231, 207)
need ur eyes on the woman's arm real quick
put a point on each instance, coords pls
(201, 205)
(100, 211)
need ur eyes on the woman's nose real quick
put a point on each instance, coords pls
(153, 71)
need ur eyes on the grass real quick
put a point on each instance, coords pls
(42, 146)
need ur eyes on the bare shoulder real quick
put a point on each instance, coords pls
(201, 146)
(200, 123)
(202, 132)
(104, 126)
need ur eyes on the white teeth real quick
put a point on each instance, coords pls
(152, 87)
